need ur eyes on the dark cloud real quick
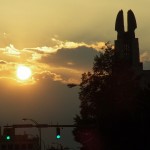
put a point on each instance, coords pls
(74, 58)
(47, 75)
(2, 62)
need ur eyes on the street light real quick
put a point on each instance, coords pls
(36, 123)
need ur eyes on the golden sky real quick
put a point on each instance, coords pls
(33, 23)
(37, 32)
(57, 40)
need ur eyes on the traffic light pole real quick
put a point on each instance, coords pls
(39, 129)
(39, 126)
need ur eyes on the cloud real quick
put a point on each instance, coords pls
(70, 63)
(3, 62)
(47, 75)
(11, 50)
(145, 56)
(75, 58)
(66, 44)
(64, 61)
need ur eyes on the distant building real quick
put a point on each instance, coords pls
(127, 46)
(10, 141)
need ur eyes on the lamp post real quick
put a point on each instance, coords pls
(36, 123)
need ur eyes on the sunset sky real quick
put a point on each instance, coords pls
(57, 40)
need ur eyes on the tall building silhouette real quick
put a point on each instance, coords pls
(127, 46)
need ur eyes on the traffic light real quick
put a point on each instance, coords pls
(8, 134)
(8, 137)
(58, 133)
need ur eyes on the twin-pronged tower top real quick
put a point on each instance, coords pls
(126, 45)
(131, 23)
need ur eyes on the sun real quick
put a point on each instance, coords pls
(23, 72)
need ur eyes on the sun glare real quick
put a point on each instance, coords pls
(23, 72)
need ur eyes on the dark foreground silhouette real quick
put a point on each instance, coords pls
(115, 97)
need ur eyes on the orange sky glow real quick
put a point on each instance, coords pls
(57, 40)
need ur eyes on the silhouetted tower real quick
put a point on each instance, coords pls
(126, 45)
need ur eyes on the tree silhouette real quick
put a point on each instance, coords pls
(114, 109)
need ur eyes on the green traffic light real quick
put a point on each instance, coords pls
(58, 133)
(58, 136)
(8, 137)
